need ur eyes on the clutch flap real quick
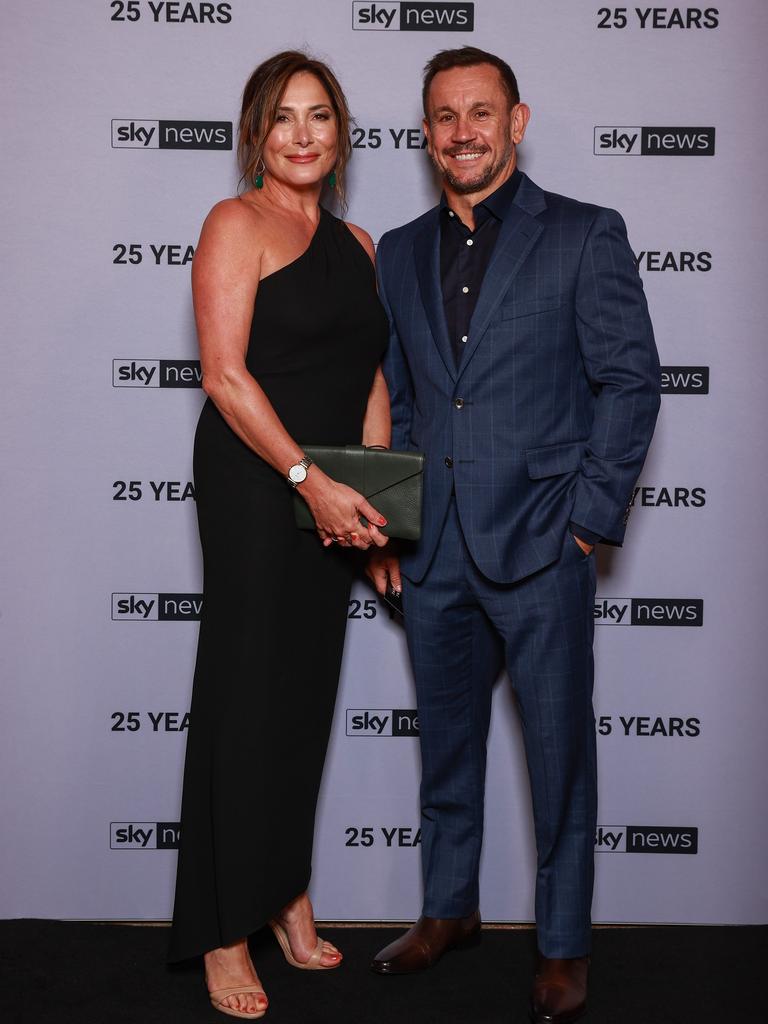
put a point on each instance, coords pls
(384, 469)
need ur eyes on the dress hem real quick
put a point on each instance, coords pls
(226, 939)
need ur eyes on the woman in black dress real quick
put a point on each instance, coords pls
(291, 335)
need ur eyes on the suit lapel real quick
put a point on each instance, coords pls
(519, 233)
(427, 255)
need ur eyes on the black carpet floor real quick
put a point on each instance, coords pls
(112, 974)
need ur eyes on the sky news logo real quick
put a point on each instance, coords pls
(144, 835)
(646, 839)
(140, 134)
(413, 17)
(649, 611)
(377, 722)
(669, 141)
(156, 373)
(156, 607)
(685, 380)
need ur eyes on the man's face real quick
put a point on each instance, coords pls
(471, 130)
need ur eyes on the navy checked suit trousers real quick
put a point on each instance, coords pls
(461, 627)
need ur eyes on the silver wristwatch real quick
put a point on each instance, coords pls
(298, 474)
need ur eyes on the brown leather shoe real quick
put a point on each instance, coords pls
(559, 993)
(424, 944)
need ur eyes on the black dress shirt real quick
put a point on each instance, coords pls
(464, 259)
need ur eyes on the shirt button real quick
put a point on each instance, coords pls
(459, 403)
(464, 338)
(465, 289)
(450, 213)
(449, 461)
(470, 242)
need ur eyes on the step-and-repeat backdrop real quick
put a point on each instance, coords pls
(117, 139)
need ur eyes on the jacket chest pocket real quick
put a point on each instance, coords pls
(531, 326)
(530, 307)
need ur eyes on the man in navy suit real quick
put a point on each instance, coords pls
(522, 362)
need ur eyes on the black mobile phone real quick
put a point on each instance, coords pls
(394, 599)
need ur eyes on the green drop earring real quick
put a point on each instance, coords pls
(332, 179)
(258, 180)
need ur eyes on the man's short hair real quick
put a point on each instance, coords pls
(469, 57)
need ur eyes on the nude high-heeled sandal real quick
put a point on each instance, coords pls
(313, 964)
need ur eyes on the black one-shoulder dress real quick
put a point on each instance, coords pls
(275, 604)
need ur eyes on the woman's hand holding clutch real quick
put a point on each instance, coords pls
(337, 508)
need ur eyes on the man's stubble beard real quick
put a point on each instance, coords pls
(487, 178)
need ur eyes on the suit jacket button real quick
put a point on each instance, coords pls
(459, 403)
(449, 462)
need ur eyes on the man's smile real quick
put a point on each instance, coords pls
(466, 155)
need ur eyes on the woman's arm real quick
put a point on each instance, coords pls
(225, 278)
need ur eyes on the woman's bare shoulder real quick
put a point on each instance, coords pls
(232, 243)
(233, 216)
(235, 229)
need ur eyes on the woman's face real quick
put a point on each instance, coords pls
(301, 147)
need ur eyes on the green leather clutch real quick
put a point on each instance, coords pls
(390, 480)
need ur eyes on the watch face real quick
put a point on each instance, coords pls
(297, 474)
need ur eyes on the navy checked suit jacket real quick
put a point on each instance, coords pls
(550, 414)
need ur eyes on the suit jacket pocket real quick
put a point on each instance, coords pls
(528, 307)
(554, 459)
